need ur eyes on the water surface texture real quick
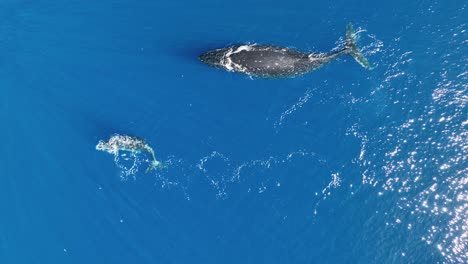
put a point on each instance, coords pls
(342, 165)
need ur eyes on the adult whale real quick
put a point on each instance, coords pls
(267, 61)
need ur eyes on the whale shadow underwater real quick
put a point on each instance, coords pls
(268, 61)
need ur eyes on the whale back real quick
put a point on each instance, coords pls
(267, 61)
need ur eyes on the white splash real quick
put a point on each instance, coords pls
(222, 173)
(298, 105)
(229, 64)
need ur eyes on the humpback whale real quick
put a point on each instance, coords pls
(127, 143)
(266, 61)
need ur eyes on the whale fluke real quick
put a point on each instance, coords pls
(351, 48)
(155, 165)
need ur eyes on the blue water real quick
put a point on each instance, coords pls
(342, 165)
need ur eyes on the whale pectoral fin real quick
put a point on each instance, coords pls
(352, 49)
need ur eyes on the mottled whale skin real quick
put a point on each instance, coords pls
(266, 61)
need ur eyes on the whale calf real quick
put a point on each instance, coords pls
(128, 143)
(267, 61)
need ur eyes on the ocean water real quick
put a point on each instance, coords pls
(341, 165)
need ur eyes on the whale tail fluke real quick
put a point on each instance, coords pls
(351, 48)
(155, 165)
